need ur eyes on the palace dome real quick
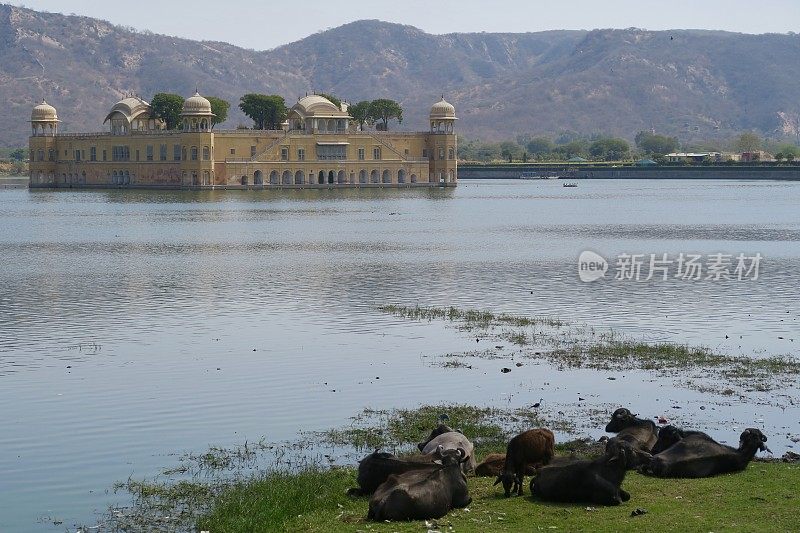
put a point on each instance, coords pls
(443, 109)
(317, 106)
(44, 112)
(196, 105)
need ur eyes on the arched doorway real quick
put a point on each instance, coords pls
(362, 176)
(298, 177)
(287, 177)
(387, 177)
(374, 176)
(401, 176)
(331, 177)
(413, 178)
(273, 177)
(341, 177)
(258, 178)
(321, 177)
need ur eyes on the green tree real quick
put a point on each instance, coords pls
(510, 150)
(334, 100)
(577, 148)
(168, 107)
(609, 149)
(360, 113)
(220, 109)
(384, 110)
(266, 111)
(17, 155)
(656, 144)
(539, 146)
(747, 142)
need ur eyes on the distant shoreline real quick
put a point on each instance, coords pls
(723, 172)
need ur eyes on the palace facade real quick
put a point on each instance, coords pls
(318, 146)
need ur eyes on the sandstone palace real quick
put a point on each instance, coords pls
(318, 146)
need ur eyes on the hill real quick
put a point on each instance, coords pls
(690, 83)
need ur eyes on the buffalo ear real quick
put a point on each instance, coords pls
(437, 461)
(763, 438)
(498, 480)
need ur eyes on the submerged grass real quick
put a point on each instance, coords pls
(577, 346)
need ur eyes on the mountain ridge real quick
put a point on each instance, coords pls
(690, 83)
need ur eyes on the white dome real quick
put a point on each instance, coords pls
(443, 109)
(196, 105)
(44, 112)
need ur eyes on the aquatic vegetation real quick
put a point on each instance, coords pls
(578, 346)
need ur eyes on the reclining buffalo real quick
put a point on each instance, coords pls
(376, 468)
(698, 455)
(596, 481)
(449, 439)
(424, 493)
(670, 435)
(638, 432)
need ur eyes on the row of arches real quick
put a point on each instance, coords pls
(329, 177)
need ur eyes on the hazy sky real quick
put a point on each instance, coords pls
(267, 24)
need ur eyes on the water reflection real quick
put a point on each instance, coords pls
(136, 323)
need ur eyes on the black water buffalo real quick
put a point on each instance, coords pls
(589, 481)
(670, 435)
(700, 456)
(449, 439)
(376, 468)
(639, 432)
(423, 494)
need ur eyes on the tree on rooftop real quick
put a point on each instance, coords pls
(334, 100)
(384, 110)
(167, 107)
(360, 113)
(266, 111)
(220, 109)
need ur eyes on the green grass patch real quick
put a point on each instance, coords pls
(763, 497)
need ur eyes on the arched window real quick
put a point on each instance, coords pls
(341, 177)
(206, 153)
(258, 178)
(362, 176)
(331, 176)
(206, 177)
(374, 176)
(321, 177)
(401, 176)
(273, 177)
(413, 178)
(244, 180)
(298, 177)
(287, 177)
(194, 153)
(387, 176)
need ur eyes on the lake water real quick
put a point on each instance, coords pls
(138, 324)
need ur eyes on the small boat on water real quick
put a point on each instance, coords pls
(573, 184)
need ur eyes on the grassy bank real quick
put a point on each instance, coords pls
(763, 497)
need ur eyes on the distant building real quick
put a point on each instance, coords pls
(317, 147)
(688, 157)
(756, 157)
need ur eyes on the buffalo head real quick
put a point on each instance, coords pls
(619, 420)
(753, 437)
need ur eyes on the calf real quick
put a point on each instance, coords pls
(376, 468)
(638, 432)
(423, 494)
(534, 446)
(700, 456)
(590, 481)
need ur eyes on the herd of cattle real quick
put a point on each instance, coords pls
(431, 484)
